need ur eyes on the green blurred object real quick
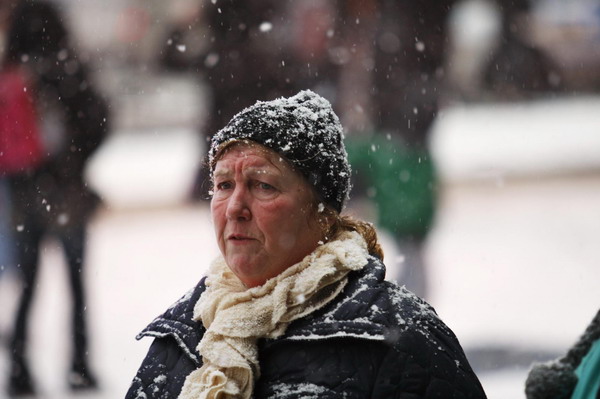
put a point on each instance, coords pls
(400, 180)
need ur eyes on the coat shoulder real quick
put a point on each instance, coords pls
(422, 348)
(402, 345)
(172, 355)
(177, 322)
(369, 308)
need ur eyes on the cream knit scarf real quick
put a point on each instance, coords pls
(236, 317)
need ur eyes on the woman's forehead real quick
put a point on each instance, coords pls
(252, 156)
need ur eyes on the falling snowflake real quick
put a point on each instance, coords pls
(265, 27)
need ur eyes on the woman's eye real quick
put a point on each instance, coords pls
(223, 185)
(265, 186)
(264, 190)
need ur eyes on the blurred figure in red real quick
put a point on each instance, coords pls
(50, 197)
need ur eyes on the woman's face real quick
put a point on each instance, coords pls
(262, 213)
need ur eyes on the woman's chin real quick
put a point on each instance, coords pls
(246, 269)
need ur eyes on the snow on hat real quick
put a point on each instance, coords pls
(305, 131)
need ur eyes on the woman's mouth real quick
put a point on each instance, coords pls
(239, 238)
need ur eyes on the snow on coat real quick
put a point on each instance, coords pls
(376, 340)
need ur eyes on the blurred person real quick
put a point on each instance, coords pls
(50, 197)
(406, 65)
(6, 235)
(576, 375)
(297, 304)
(394, 168)
(253, 50)
(185, 45)
(517, 69)
(311, 50)
(238, 64)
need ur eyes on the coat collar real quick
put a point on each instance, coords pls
(363, 310)
(177, 322)
(360, 311)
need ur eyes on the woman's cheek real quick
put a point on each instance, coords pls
(287, 241)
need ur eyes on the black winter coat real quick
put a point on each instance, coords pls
(376, 340)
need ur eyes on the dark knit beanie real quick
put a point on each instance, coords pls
(305, 131)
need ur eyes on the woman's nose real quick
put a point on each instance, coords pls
(238, 205)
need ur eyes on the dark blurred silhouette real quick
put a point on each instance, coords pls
(6, 236)
(51, 197)
(408, 49)
(254, 50)
(382, 65)
(391, 160)
(517, 69)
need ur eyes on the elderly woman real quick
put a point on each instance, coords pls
(297, 305)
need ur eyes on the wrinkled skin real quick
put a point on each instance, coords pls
(262, 213)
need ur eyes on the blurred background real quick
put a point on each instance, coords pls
(473, 127)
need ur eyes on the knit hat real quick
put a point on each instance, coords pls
(305, 131)
(557, 379)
